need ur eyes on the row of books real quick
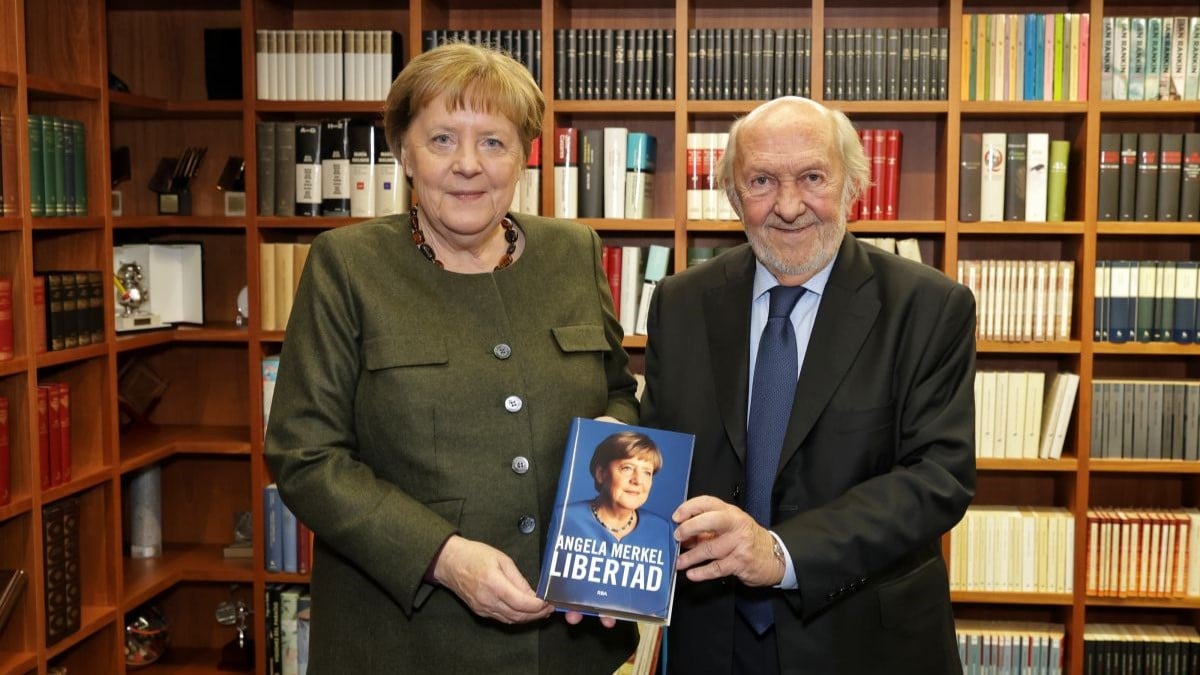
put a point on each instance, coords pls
(748, 63)
(61, 568)
(1145, 419)
(1020, 300)
(886, 64)
(8, 168)
(633, 273)
(614, 63)
(1025, 549)
(1150, 58)
(603, 173)
(1016, 417)
(57, 166)
(699, 254)
(68, 309)
(524, 45)
(326, 65)
(705, 199)
(1025, 57)
(907, 247)
(1162, 649)
(54, 433)
(279, 269)
(1012, 176)
(1147, 301)
(882, 198)
(288, 618)
(1143, 553)
(288, 542)
(988, 647)
(1149, 176)
(332, 167)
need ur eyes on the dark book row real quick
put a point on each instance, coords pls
(1145, 419)
(57, 166)
(1013, 176)
(748, 63)
(608, 64)
(1119, 649)
(525, 46)
(74, 309)
(331, 167)
(1149, 177)
(1146, 301)
(886, 64)
(54, 433)
(60, 544)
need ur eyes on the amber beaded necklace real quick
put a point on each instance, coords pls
(418, 238)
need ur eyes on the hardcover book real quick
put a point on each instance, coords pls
(611, 549)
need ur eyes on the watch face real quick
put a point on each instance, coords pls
(243, 302)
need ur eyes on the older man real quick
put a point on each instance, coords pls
(829, 386)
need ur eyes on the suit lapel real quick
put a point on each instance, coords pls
(727, 319)
(843, 321)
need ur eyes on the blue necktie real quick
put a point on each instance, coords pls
(772, 393)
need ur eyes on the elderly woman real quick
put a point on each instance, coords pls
(432, 366)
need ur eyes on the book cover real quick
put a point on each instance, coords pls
(641, 159)
(1189, 191)
(362, 168)
(1127, 199)
(970, 177)
(611, 548)
(566, 172)
(308, 183)
(1110, 176)
(1170, 163)
(1146, 192)
(1036, 175)
(335, 167)
(591, 173)
(1056, 182)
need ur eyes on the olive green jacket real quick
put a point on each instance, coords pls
(413, 403)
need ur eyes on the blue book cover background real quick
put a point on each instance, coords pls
(630, 574)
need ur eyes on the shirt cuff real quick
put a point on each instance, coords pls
(789, 571)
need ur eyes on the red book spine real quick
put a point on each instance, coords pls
(43, 404)
(55, 435)
(303, 548)
(878, 172)
(64, 429)
(39, 313)
(614, 276)
(891, 202)
(868, 197)
(5, 455)
(6, 320)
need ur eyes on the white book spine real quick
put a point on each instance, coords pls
(262, 82)
(991, 192)
(695, 164)
(631, 286)
(362, 190)
(615, 139)
(1036, 172)
(566, 192)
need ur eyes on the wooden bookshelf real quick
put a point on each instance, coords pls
(55, 56)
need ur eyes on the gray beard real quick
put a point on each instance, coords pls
(769, 257)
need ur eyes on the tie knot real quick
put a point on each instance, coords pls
(783, 299)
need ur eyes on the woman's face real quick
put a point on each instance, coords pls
(464, 166)
(629, 482)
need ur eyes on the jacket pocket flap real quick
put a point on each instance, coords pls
(908, 596)
(586, 338)
(393, 352)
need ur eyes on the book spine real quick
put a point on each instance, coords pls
(591, 173)
(991, 192)
(1037, 168)
(1110, 176)
(308, 169)
(1056, 181)
(970, 177)
(566, 172)
(5, 463)
(1170, 165)
(1014, 177)
(641, 157)
(1189, 191)
(335, 167)
(1147, 177)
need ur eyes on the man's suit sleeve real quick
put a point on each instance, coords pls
(839, 546)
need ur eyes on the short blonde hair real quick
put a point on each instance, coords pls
(856, 169)
(472, 77)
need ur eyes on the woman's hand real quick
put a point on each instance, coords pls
(575, 617)
(488, 581)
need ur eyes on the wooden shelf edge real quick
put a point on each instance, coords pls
(1023, 107)
(1064, 465)
(125, 105)
(1007, 598)
(8, 78)
(92, 619)
(306, 222)
(1058, 347)
(81, 481)
(215, 332)
(288, 578)
(58, 358)
(1069, 227)
(18, 506)
(304, 107)
(603, 225)
(49, 87)
(1143, 466)
(1142, 229)
(13, 366)
(11, 223)
(1153, 603)
(44, 223)
(656, 106)
(1146, 348)
(184, 222)
(145, 578)
(143, 447)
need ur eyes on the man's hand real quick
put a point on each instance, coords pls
(728, 540)
(488, 581)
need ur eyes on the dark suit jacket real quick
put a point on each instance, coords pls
(877, 463)
(390, 430)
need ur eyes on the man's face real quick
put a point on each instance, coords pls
(789, 178)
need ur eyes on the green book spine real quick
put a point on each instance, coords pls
(1058, 58)
(80, 168)
(37, 187)
(48, 165)
(60, 166)
(1056, 187)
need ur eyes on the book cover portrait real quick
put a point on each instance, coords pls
(611, 547)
